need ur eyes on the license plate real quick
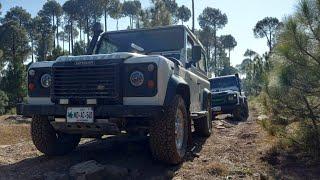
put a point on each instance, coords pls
(80, 114)
(216, 109)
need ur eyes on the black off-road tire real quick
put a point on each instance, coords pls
(163, 137)
(49, 141)
(239, 113)
(246, 106)
(203, 126)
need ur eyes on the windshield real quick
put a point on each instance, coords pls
(155, 40)
(224, 83)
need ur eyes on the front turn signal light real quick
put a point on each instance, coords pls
(151, 84)
(31, 87)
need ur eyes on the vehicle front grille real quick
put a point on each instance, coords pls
(86, 82)
(221, 99)
(218, 100)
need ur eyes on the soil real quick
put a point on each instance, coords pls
(235, 150)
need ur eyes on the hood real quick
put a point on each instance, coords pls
(118, 55)
(224, 92)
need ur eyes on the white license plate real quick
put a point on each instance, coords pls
(80, 114)
(216, 109)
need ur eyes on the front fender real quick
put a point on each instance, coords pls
(177, 85)
(207, 96)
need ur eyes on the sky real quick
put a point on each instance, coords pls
(242, 17)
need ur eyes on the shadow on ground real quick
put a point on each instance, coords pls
(288, 165)
(123, 151)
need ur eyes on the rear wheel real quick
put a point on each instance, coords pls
(49, 141)
(169, 134)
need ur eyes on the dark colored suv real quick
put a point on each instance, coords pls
(228, 98)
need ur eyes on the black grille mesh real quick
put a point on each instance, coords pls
(74, 82)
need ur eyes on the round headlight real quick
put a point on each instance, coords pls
(32, 72)
(46, 80)
(136, 78)
(232, 97)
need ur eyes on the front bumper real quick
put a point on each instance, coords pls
(224, 109)
(105, 111)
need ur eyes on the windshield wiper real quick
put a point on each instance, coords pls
(136, 47)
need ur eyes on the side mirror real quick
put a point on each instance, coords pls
(196, 53)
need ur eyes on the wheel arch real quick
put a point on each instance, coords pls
(207, 95)
(177, 85)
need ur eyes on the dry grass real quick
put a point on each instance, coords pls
(215, 169)
(12, 134)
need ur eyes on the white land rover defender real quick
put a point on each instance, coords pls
(149, 80)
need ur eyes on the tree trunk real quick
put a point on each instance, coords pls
(117, 24)
(229, 63)
(32, 47)
(57, 32)
(88, 40)
(80, 28)
(54, 39)
(63, 45)
(69, 38)
(215, 47)
(105, 21)
(193, 16)
(71, 30)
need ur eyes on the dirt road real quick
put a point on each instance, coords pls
(233, 151)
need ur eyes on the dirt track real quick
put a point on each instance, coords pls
(234, 151)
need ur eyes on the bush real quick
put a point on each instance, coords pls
(4, 100)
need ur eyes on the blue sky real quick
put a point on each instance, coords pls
(242, 16)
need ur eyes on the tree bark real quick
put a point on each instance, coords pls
(57, 32)
(117, 24)
(193, 15)
(71, 30)
(105, 21)
(215, 47)
(54, 39)
(88, 40)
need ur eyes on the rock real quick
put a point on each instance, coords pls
(92, 170)
(81, 170)
(115, 172)
(262, 117)
(170, 174)
(55, 176)
(177, 178)
(135, 173)
(220, 127)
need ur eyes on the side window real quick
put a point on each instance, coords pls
(189, 49)
(202, 63)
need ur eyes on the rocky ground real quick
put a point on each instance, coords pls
(236, 150)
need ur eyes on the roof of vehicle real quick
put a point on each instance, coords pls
(161, 27)
(222, 77)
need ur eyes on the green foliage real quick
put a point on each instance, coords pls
(3, 102)
(115, 10)
(183, 13)
(19, 15)
(292, 85)
(213, 18)
(79, 48)
(267, 28)
(44, 37)
(131, 9)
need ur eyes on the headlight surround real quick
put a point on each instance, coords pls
(136, 78)
(46, 80)
(232, 97)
